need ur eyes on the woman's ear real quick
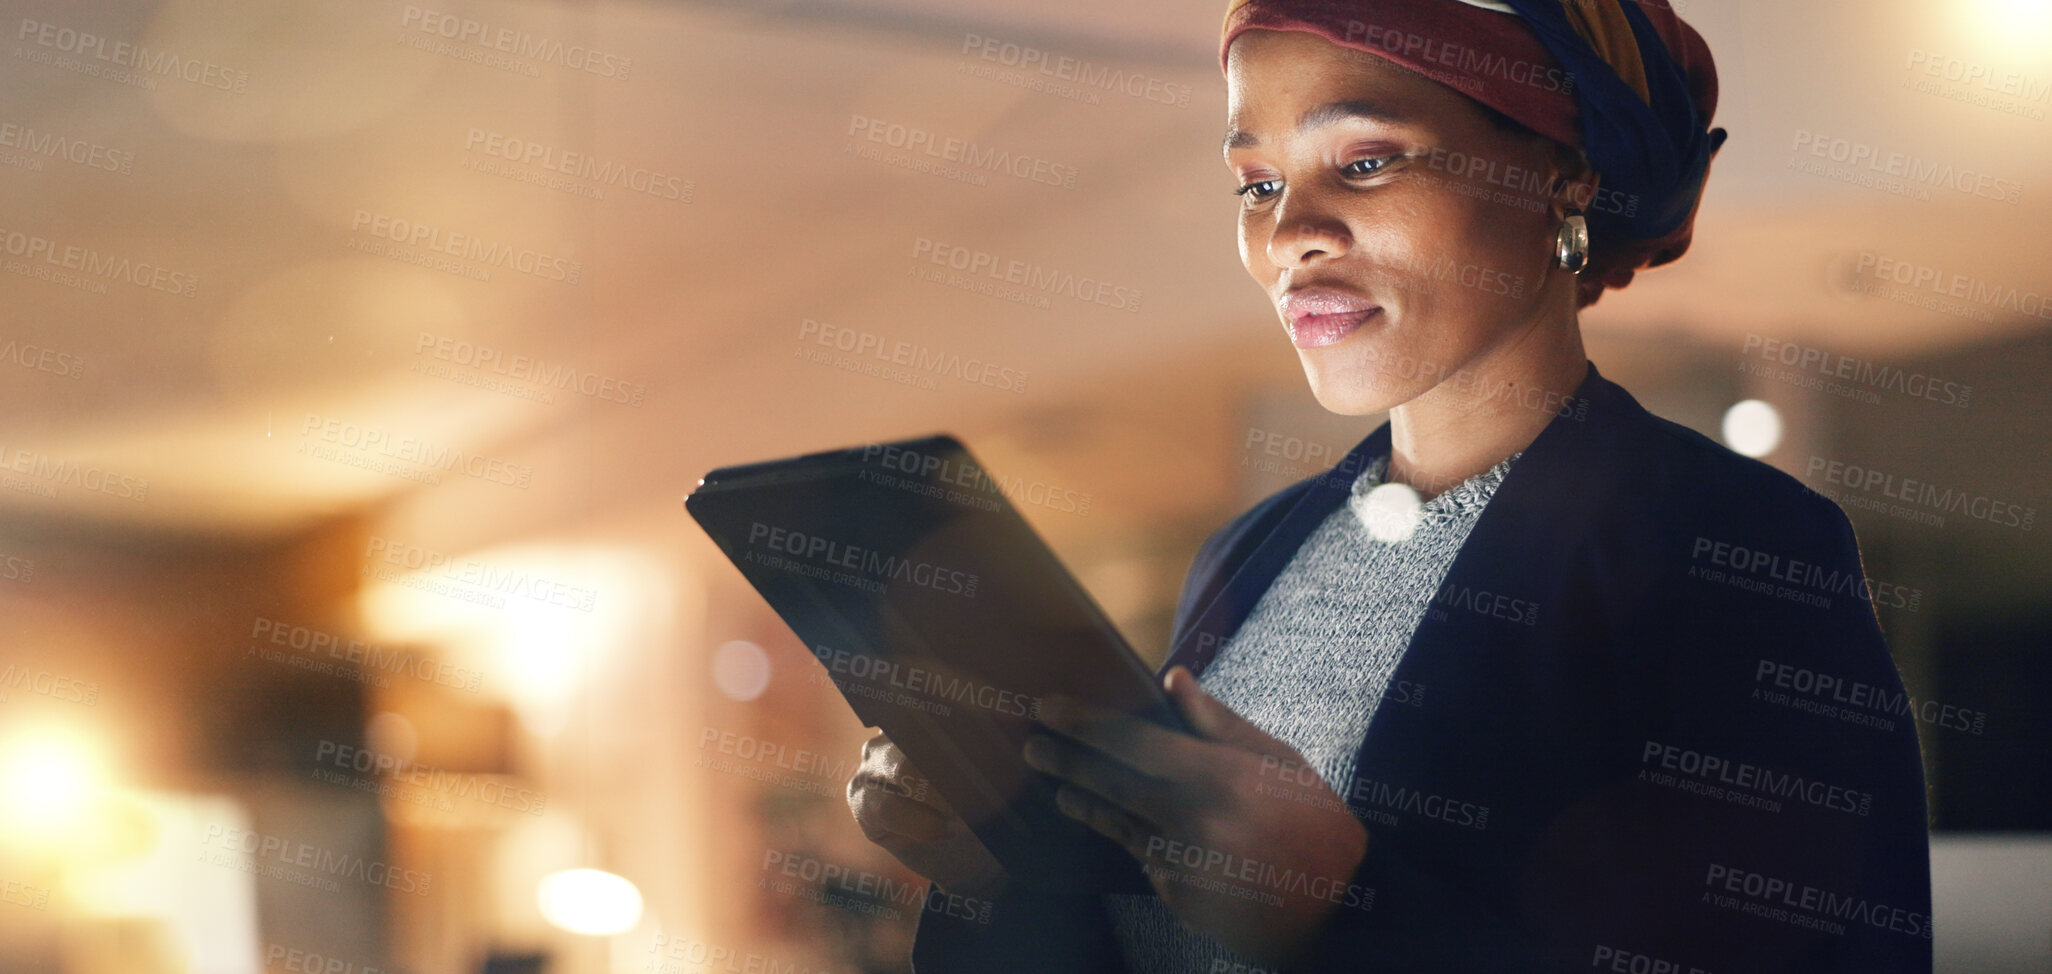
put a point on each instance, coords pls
(1575, 181)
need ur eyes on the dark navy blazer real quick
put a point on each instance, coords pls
(1649, 718)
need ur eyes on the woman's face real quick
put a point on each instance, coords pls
(1403, 237)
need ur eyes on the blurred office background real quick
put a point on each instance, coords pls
(358, 354)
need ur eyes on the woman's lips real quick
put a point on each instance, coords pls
(1318, 331)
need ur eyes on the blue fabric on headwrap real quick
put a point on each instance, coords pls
(1652, 157)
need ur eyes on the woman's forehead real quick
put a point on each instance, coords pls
(1298, 79)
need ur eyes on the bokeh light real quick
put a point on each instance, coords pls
(1752, 427)
(590, 901)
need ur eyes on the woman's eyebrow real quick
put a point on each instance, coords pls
(1318, 117)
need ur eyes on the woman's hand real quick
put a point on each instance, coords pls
(891, 802)
(1240, 839)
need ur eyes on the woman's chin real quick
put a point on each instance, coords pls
(1354, 376)
(1353, 391)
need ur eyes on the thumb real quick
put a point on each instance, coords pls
(1212, 719)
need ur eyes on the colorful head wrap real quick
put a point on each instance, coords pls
(1625, 81)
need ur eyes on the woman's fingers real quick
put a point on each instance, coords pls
(941, 849)
(882, 795)
(1106, 819)
(898, 813)
(881, 757)
(886, 815)
(1110, 777)
(1215, 720)
(884, 762)
(1141, 744)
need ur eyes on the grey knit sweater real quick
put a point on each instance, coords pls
(1312, 662)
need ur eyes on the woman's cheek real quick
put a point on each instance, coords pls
(1253, 241)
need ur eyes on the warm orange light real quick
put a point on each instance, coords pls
(49, 779)
(590, 901)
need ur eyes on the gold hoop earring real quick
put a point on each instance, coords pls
(1571, 244)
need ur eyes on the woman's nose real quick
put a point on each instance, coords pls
(1305, 230)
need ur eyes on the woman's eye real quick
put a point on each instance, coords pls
(1252, 188)
(1359, 167)
(1375, 164)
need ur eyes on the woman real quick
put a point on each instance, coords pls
(1566, 715)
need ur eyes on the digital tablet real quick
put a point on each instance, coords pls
(944, 620)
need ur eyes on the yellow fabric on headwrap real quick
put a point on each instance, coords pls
(1602, 23)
